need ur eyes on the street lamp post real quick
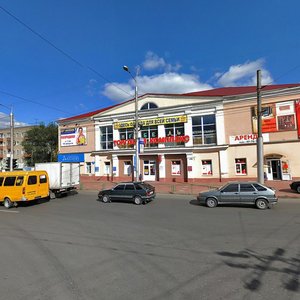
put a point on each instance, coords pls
(137, 161)
(11, 117)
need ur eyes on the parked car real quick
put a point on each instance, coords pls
(239, 193)
(295, 186)
(138, 192)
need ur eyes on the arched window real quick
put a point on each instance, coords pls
(149, 105)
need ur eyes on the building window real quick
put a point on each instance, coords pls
(204, 130)
(148, 133)
(107, 168)
(174, 130)
(127, 134)
(240, 166)
(206, 167)
(106, 137)
(149, 105)
(88, 167)
(176, 167)
(127, 168)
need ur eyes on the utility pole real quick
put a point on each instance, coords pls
(259, 143)
(11, 139)
(137, 158)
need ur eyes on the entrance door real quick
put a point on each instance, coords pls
(149, 172)
(274, 169)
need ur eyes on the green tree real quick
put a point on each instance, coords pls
(40, 144)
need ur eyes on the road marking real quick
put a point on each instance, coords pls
(9, 211)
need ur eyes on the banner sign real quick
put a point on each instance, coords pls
(73, 136)
(275, 117)
(250, 138)
(70, 157)
(297, 108)
(152, 122)
(158, 140)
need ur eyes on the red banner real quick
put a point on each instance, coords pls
(297, 109)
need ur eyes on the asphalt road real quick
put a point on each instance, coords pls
(78, 248)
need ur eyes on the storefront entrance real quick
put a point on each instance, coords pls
(274, 169)
(149, 170)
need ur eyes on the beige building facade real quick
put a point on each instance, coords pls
(193, 137)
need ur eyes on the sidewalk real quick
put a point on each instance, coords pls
(282, 187)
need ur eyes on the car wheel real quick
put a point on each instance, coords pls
(105, 199)
(298, 189)
(7, 203)
(211, 202)
(137, 200)
(261, 204)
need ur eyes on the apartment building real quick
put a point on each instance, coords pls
(5, 144)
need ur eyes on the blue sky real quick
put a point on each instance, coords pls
(178, 46)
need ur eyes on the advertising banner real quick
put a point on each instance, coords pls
(152, 122)
(275, 117)
(73, 136)
(297, 109)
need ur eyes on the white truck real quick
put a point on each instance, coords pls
(63, 177)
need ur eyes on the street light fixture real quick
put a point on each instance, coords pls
(137, 161)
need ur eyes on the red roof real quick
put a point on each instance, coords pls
(232, 91)
(89, 114)
(219, 92)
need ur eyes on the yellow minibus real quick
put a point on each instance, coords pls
(18, 186)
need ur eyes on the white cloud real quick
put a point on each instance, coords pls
(169, 81)
(91, 87)
(166, 83)
(244, 74)
(5, 121)
(154, 62)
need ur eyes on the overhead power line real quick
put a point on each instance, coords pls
(77, 62)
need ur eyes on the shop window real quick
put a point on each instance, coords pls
(148, 133)
(127, 134)
(107, 168)
(174, 130)
(176, 167)
(106, 137)
(240, 166)
(206, 167)
(204, 130)
(127, 168)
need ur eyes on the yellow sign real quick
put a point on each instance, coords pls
(152, 122)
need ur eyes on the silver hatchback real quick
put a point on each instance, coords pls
(239, 193)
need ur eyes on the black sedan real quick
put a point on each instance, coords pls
(295, 186)
(138, 192)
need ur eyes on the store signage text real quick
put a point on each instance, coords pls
(152, 122)
(158, 140)
(246, 138)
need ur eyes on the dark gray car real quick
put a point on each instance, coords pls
(239, 193)
(138, 192)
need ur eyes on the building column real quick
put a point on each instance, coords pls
(162, 166)
(188, 130)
